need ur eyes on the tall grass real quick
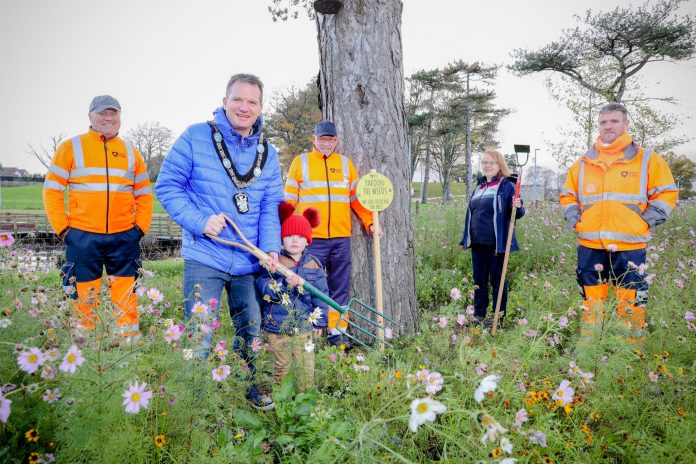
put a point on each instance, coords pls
(639, 406)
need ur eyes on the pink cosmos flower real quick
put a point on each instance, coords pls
(564, 394)
(598, 267)
(679, 283)
(29, 361)
(442, 322)
(221, 373)
(453, 337)
(255, 345)
(523, 322)
(422, 375)
(212, 303)
(481, 369)
(470, 310)
(360, 357)
(520, 418)
(136, 397)
(199, 310)
(6, 240)
(388, 333)
(48, 372)
(689, 316)
(332, 357)
(220, 349)
(71, 360)
(455, 293)
(574, 368)
(173, 333)
(653, 376)
(461, 319)
(5, 404)
(586, 378)
(563, 322)
(52, 354)
(612, 247)
(51, 396)
(649, 278)
(537, 438)
(433, 383)
(155, 295)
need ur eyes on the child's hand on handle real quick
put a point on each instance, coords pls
(294, 280)
(270, 262)
(517, 202)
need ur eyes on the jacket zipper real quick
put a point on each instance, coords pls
(106, 158)
(328, 189)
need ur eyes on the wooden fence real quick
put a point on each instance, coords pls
(162, 227)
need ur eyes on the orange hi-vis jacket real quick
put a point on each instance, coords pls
(618, 203)
(328, 184)
(108, 186)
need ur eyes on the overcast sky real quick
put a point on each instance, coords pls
(169, 61)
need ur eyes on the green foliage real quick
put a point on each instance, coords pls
(624, 40)
(360, 411)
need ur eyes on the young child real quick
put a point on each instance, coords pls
(289, 314)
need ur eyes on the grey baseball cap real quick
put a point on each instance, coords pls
(104, 102)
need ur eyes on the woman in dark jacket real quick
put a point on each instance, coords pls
(486, 228)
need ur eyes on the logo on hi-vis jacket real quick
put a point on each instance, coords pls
(116, 154)
(335, 170)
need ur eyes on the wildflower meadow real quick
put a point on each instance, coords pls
(533, 393)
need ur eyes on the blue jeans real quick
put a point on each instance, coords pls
(202, 283)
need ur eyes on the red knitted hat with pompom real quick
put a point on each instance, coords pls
(294, 224)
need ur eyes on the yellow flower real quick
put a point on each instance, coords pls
(568, 408)
(342, 347)
(398, 374)
(32, 435)
(496, 453)
(585, 428)
(548, 460)
(34, 458)
(681, 411)
(160, 440)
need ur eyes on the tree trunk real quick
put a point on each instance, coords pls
(362, 90)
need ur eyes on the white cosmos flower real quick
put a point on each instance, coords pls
(424, 410)
(309, 346)
(488, 384)
(506, 445)
(315, 316)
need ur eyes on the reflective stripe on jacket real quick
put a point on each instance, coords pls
(108, 186)
(618, 203)
(328, 184)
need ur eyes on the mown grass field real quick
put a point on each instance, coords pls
(28, 197)
(639, 404)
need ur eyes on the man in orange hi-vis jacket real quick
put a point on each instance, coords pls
(613, 197)
(326, 180)
(109, 211)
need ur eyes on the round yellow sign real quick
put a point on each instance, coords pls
(375, 192)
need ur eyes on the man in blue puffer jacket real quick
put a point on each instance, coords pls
(224, 167)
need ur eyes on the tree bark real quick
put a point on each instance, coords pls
(362, 91)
